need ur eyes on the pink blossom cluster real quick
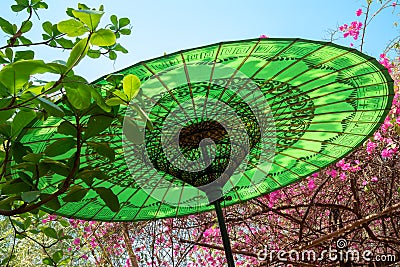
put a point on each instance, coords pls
(352, 30)
(49, 218)
(385, 62)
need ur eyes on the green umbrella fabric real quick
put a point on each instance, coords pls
(235, 120)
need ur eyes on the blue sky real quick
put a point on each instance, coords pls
(160, 26)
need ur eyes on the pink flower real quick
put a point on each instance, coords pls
(128, 263)
(364, 183)
(371, 147)
(359, 12)
(342, 165)
(394, 4)
(332, 173)
(342, 176)
(353, 30)
(76, 241)
(311, 185)
(378, 136)
(263, 36)
(385, 62)
(52, 217)
(374, 179)
(85, 257)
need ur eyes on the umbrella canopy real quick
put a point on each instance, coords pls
(232, 120)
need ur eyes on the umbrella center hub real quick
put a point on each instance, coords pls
(191, 136)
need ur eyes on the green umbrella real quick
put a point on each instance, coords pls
(226, 122)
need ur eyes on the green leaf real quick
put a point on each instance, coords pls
(15, 187)
(49, 106)
(18, 223)
(60, 147)
(83, 7)
(19, 150)
(99, 99)
(42, 5)
(48, 27)
(30, 196)
(125, 31)
(6, 114)
(115, 79)
(24, 40)
(57, 256)
(6, 26)
(108, 196)
(79, 97)
(22, 2)
(87, 176)
(115, 101)
(9, 53)
(56, 166)
(50, 232)
(124, 22)
(103, 149)
(76, 193)
(103, 37)
(64, 222)
(90, 17)
(78, 52)
(27, 26)
(65, 43)
(67, 128)
(132, 132)
(17, 8)
(27, 223)
(97, 124)
(48, 261)
(33, 157)
(21, 119)
(57, 68)
(131, 86)
(120, 48)
(94, 53)
(53, 204)
(112, 55)
(114, 20)
(15, 75)
(28, 54)
(71, 27)
(25, 178)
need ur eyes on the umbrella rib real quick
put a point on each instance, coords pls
(325, 75)
(275, 57)
(237, 69)
(188, 82)
(166, 87)
(314, 89)
(331, 93)
(211, 78)
(267, 63)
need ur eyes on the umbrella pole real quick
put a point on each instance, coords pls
(224, 234)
